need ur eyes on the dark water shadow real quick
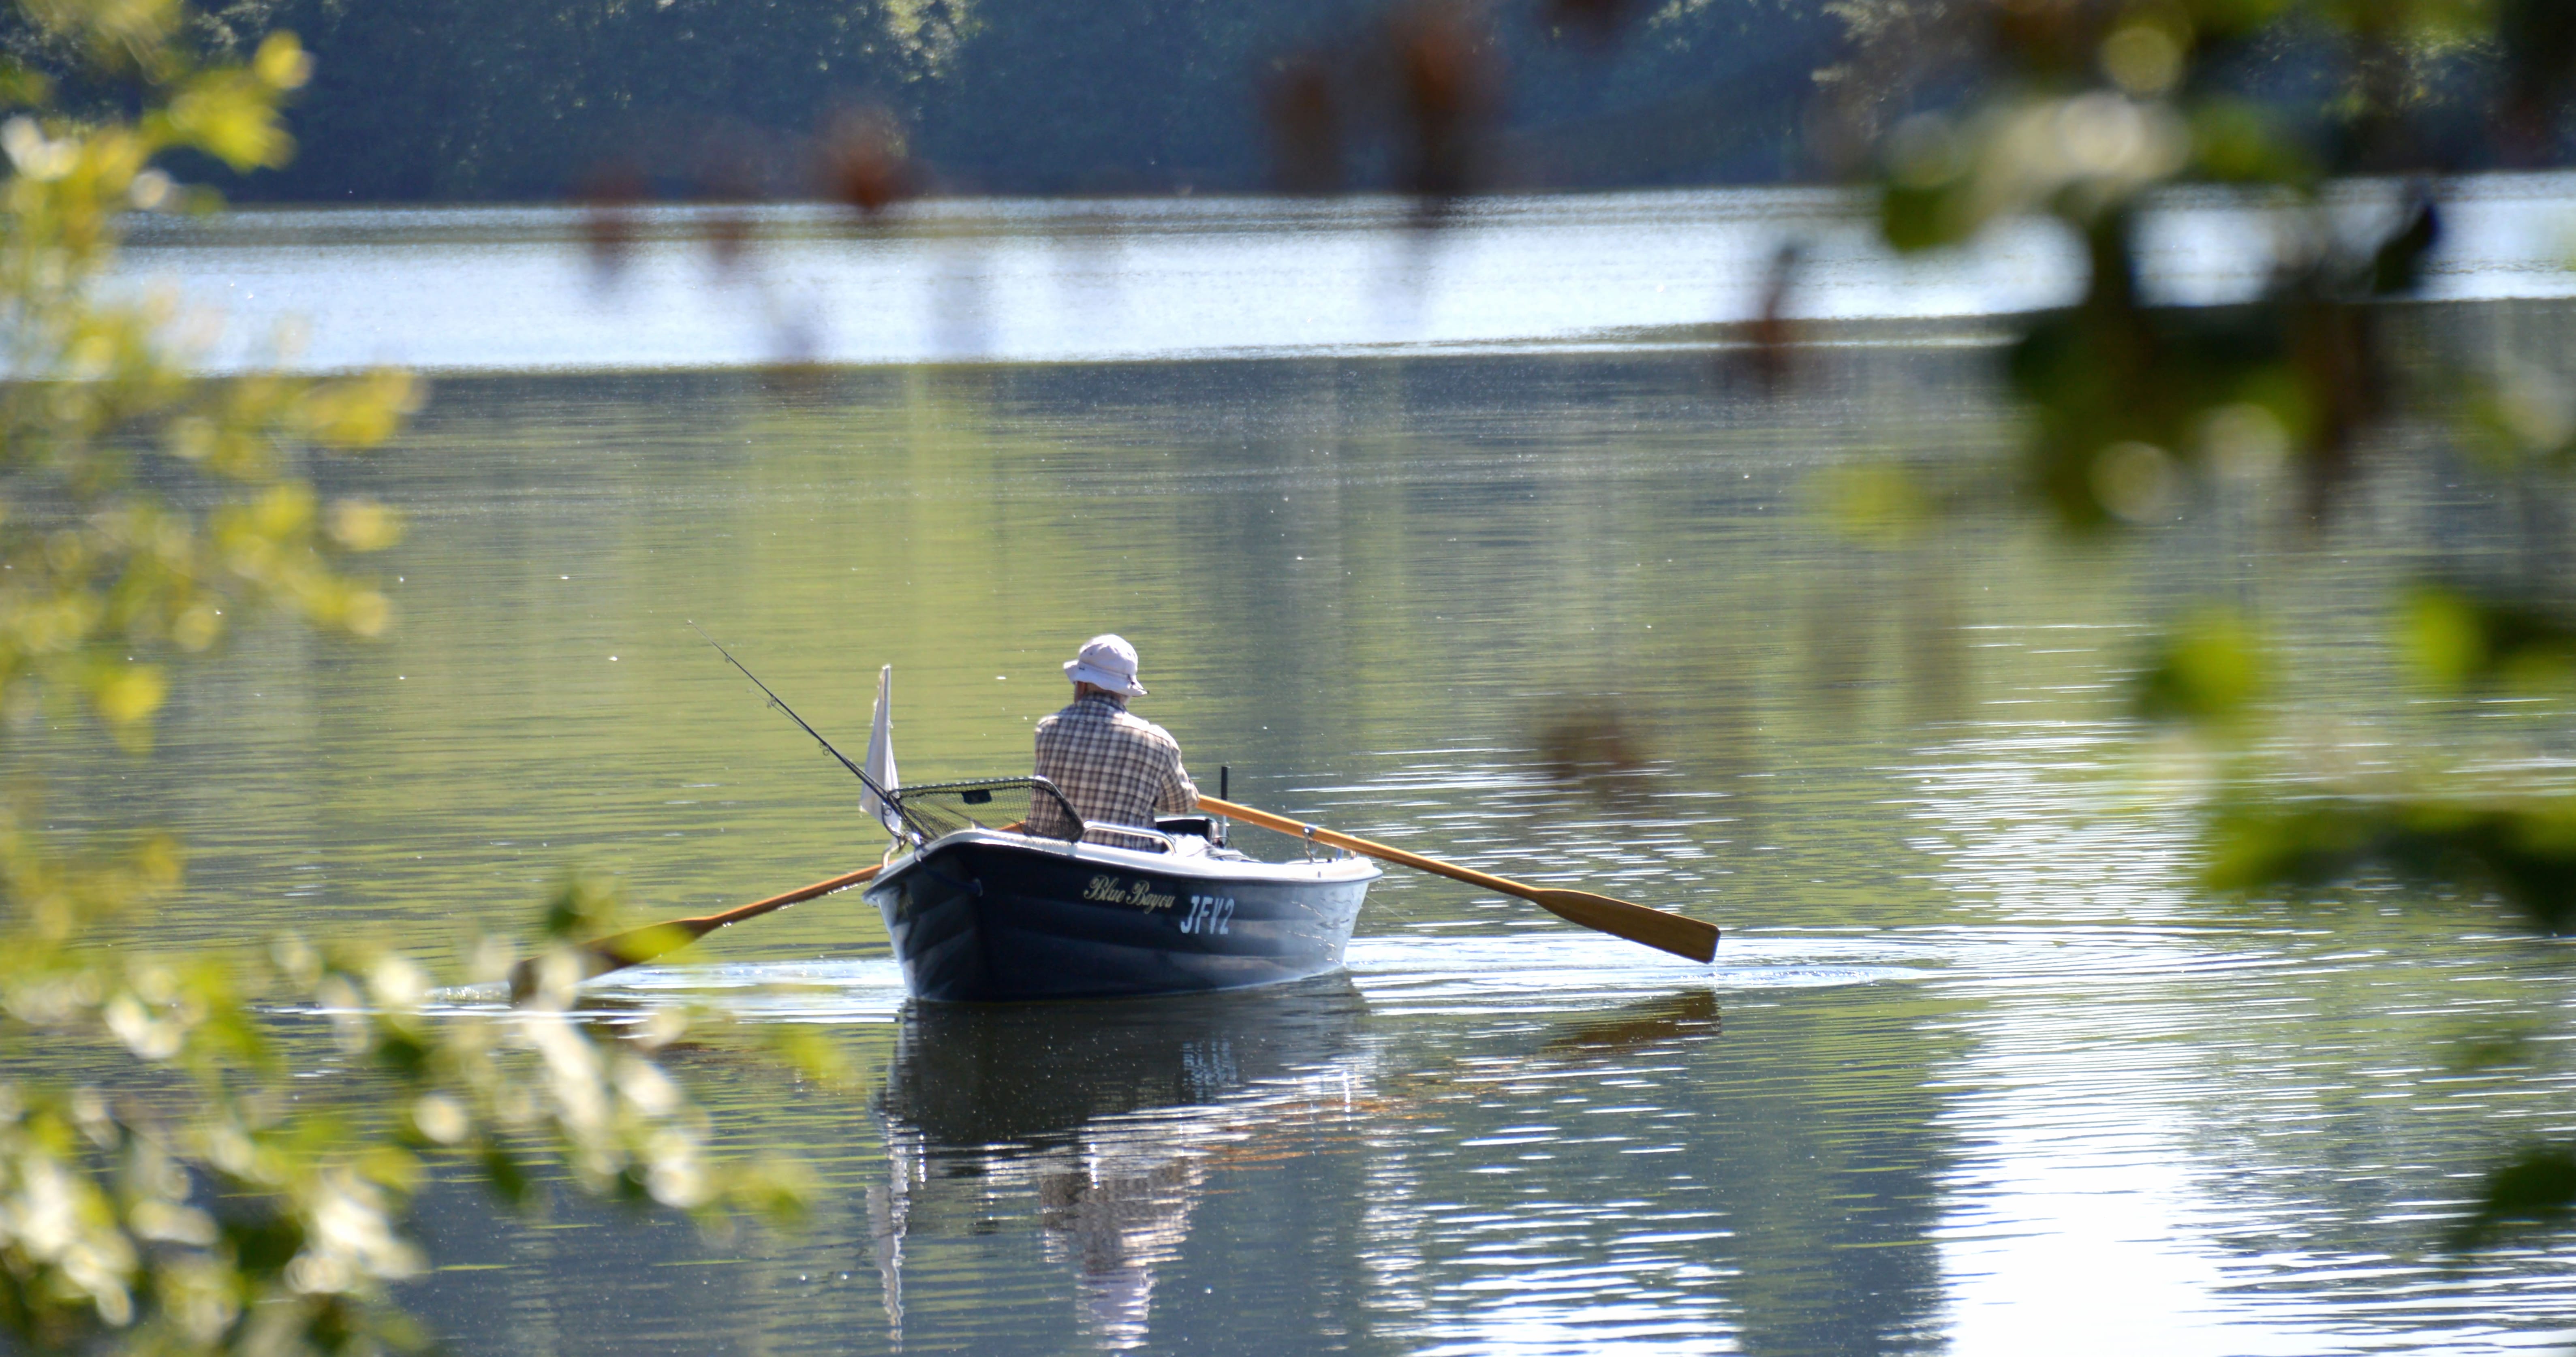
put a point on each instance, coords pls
(980, 1077)
(1636, 1026)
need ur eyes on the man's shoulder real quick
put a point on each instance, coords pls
(1141, 726)
(1076, 710)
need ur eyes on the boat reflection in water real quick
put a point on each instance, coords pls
(1111, 1116)
(1109, 1113)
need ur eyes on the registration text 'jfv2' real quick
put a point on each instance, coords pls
(1209, 914)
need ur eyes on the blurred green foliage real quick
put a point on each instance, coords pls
(2524, 852)
(145, 515)
(2083, 112)
(2460, 638)
(2536, 1189)
(2210, 669)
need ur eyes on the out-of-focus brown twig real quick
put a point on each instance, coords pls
(1447, 81)
(865, 162)
(1771, 358)
(1306, 130)
(731, 165)
(609, 198)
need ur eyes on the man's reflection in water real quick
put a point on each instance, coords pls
(1108, 1114)
(1115, 1222)
(1112, 1116)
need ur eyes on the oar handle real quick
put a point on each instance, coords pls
(759, 907)
(1674, 933)
(1366, 847)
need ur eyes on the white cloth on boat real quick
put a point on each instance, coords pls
(880, 760)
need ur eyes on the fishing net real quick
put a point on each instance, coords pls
(934, 810)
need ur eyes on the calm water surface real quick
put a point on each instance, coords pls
(1978, 1068)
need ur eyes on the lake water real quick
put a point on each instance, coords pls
(693, 287)
(1978, 1068)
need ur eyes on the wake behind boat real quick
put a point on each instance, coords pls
(980, 910)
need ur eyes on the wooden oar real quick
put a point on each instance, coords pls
(636, 946)
(1636, 923)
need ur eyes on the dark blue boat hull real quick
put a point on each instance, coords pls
(982, 919)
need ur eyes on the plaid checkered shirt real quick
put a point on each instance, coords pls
(1115, 768)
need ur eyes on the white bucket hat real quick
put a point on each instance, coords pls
(1107, 662)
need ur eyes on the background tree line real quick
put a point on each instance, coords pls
(477, 100)
(480, 100)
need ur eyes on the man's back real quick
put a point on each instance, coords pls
(1116, 768)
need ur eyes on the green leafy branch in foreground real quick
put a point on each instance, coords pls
(184, 1200)
(2086, 113)
(101, 580)
(2441, 831)
(2212, 673)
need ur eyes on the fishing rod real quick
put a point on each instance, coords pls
(781, 703)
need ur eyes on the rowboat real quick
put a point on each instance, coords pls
(981, 911)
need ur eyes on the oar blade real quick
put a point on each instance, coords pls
(1683, 937)
(615, 952)
(636, 946)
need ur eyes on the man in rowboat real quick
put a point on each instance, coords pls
(1115, 768)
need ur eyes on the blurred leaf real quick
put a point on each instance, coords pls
(583, 907)
(2518, 413)
(281, 63)
(2209, 670)
(360, 412)
(2536, 1189)
(1873, 501)
(21, 87)
(126, 696)
(229, 114)
(2490, 1047)
(508, 1181)
(404, 1055)
(2459, 639)
(361, 525)
(2242, 142)
(1913, 218)
(263, 1244)
(810, 1052)
(2524, 851)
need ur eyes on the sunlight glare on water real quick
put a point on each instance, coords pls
(509, 289)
